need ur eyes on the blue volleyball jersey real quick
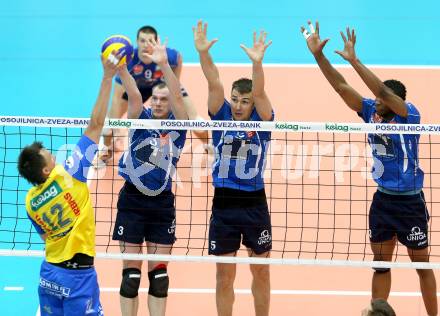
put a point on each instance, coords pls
(151, 73)
(240, 156)
(396, 159)
(151, 159)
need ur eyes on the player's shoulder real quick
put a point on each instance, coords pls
(173, 56)
(368, 102)
(172, 51)
(412, 109)
(135, 60)
(147, 113)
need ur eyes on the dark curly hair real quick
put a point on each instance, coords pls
(397, 87)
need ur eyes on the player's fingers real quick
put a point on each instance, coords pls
(343, 37)
(339, 53)
(264, 36)
(112, 58)
(304, 32)
(268, 44)
(324, 42)
(153, 41)
(261, 37)
(311, 27)
(213, 42)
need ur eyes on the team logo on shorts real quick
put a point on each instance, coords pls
(416, 235)
(172, 228)
(55, 289)
(265, 238)
(47, 309)
(91, 310)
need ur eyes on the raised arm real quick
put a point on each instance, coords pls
(135, 105)
(379, 89)
(118, 106)
(97, 118)
(216, 93)
(256, 54)
(350, 96)
(178, 69)
(159, 56)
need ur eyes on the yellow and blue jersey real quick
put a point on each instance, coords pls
(61, 207)
(396, 158)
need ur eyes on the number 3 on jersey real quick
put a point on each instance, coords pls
(120, 230)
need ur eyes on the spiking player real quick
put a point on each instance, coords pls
(61, 211)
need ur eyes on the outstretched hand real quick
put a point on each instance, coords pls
(110, 64)
(159, 54)
(314, 42)
(256, 53)
(348, 53)
(200, 39)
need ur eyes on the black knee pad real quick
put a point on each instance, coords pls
(131, 280)
(381, 270)
(159, 281)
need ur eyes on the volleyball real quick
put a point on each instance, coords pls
(120, 44)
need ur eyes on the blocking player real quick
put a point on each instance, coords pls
(239, 208)
(146, 211)
(398, 211)
(147, 74)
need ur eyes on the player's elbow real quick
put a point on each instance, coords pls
(215, 85)
(178, 98)
(134, 96)
(384, 92)
(258, 94)
(341, 89)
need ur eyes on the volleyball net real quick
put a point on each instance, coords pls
(318, 183)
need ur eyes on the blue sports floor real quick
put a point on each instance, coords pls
(50, 66)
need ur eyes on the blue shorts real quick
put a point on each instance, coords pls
(239, 217)
(145, 218)
(68, 292)
(404, 216)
